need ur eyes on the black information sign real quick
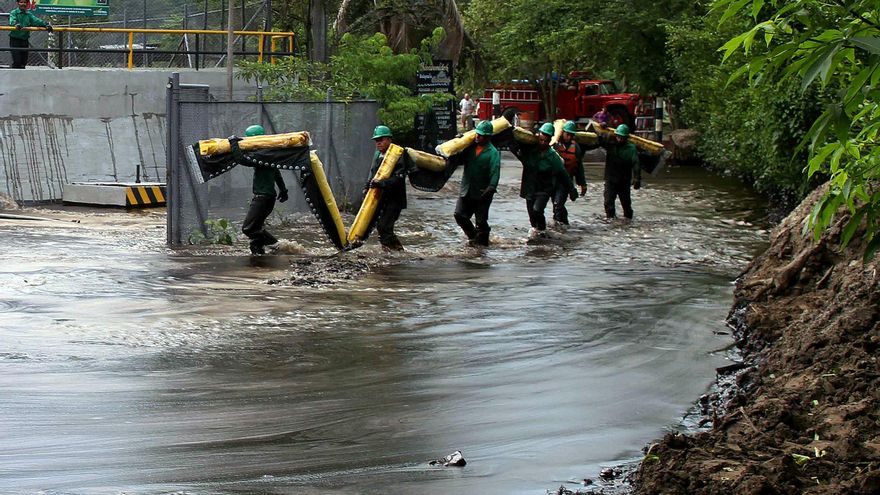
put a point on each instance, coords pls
(438, 125)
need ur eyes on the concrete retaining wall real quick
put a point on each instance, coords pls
(75, 125)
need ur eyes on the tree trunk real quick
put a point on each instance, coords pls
(318, 30)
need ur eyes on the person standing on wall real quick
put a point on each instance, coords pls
(466, 109)
(21, 18)
(263, 202)
(482, 169)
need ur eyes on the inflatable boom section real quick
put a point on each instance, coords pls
(320, 198)
(432, 172)
(652, 155)
(211, 158)
(214, 157)
(366, 216)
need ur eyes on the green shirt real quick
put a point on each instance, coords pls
(542, 171)
(27, 19)
(265, 179)
(481, 171)
(621, 161)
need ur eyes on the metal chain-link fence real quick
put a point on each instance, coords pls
(112, 48)
(341, 135)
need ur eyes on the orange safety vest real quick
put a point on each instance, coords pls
(569, 156)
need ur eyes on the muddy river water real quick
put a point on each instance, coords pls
(126, 367)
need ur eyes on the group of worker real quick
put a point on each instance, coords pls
(550, 175)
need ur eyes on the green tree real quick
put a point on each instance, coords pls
(835, 44)
(521, 39)
(364, 67)
(750, 132)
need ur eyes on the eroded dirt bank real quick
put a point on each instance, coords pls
(804, 418)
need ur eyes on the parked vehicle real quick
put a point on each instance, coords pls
(578, 98)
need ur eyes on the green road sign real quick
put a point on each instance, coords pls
(73, 7)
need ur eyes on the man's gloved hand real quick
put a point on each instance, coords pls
(377, 184)
(637, 184)
(18, 26)
(49, 28)
(487, 193)
(583, 191)
(282, 196)
(573, 195)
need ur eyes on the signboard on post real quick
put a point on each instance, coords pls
(438, 125)
(72, 7)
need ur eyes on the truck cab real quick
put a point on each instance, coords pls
(578, 98)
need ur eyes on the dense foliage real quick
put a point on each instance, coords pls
(835, 45)
(364, 67)
(752, 132)
(520, 39)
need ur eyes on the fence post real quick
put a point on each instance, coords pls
(658, 119)
(144, 57)
(328, 132)
(171, 172)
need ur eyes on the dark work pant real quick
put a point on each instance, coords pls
(535, 206)
(479, 209)
(19, 57)
(560, 213)
(261, 206)
(614, 190)
(388, 214)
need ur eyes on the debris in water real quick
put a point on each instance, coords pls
(453, 459)
(285, 246)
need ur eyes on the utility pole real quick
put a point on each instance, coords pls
(230, 33)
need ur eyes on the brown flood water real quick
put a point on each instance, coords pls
(126, 367)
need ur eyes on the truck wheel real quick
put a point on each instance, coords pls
(617, 116)
(511, 114)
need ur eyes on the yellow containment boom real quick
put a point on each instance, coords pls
(426, 161)
(652, 147)
(359, 228)
(529, 138)
(457, 145)
(317, 169)
(557, 131)
(211, 147)
(524, 136)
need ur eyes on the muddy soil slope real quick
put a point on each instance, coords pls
(804, 418)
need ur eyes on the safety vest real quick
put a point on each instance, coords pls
(569, 156)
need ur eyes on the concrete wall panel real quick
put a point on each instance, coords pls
(76, 125)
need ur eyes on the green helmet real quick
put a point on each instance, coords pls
(254, 130)
(622, 130)
(570, 126)
(548, 129)
(382, 131)
(485, 128)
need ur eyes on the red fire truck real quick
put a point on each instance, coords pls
(578, 98)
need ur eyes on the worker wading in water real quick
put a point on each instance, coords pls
(622, 169)
(393, 199)
(263, 202)
(482, 169)
(543, 172)
(573, 158)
